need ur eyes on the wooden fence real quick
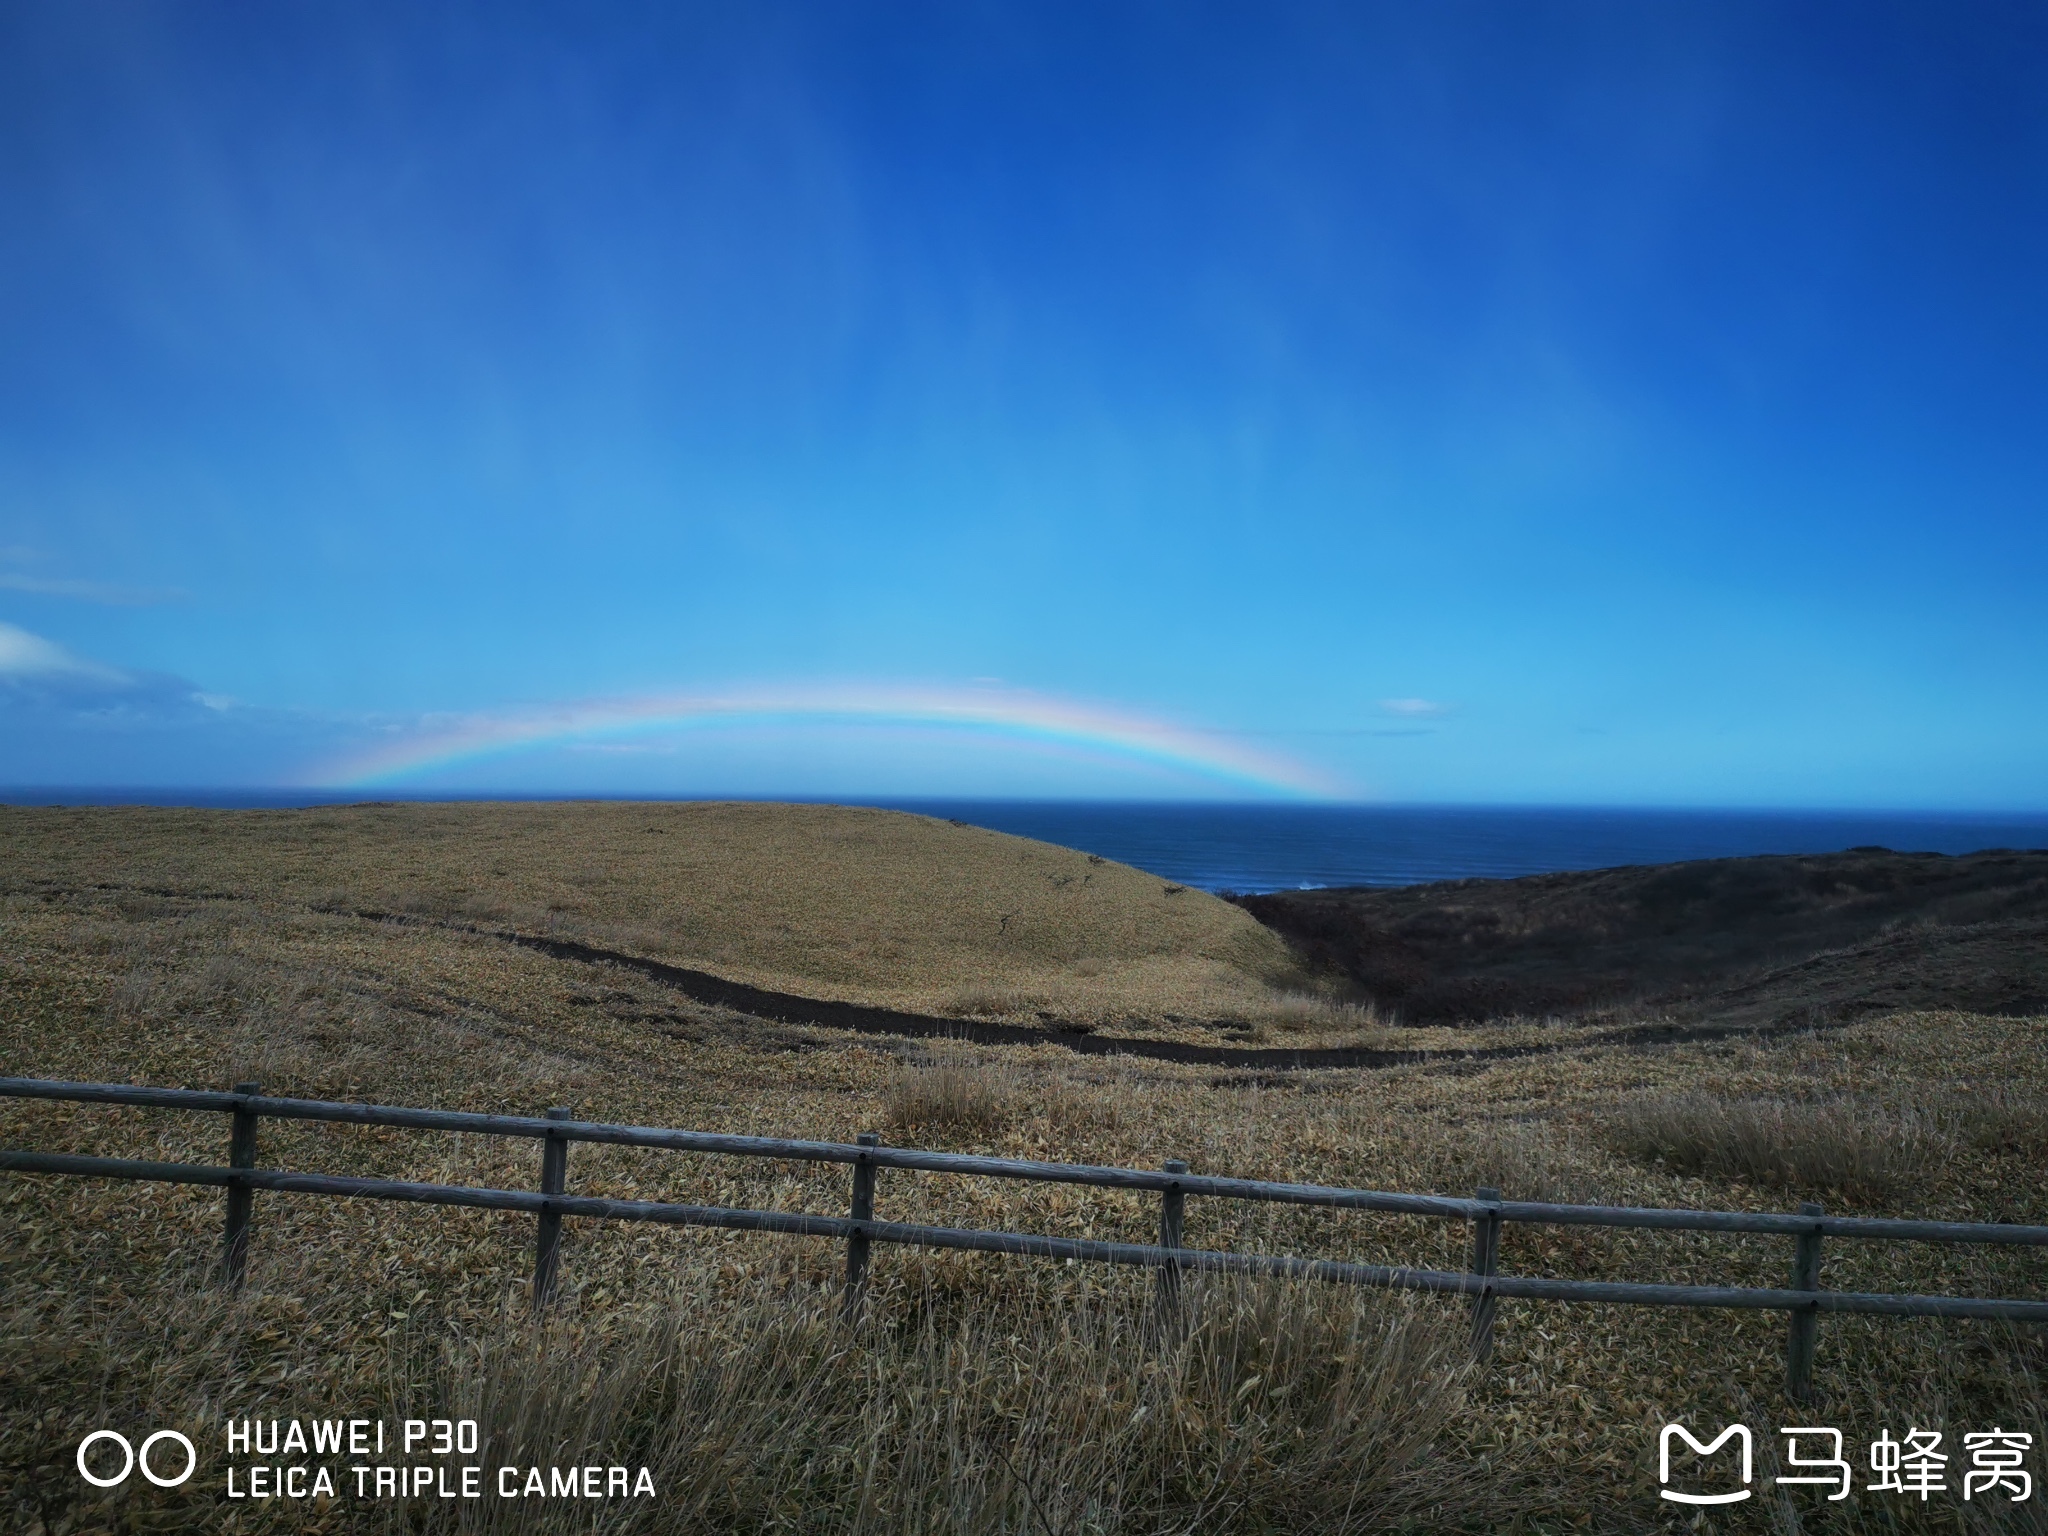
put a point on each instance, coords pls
(1803, 1298)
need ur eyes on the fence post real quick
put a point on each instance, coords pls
(1172, 1216)
(1485, 1261)
(234, 1253)
(1805, 1328)
(863, 1210)
(554, 1178)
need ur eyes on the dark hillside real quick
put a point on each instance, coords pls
(1757, 940)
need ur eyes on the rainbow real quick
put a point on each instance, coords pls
(1011, 712)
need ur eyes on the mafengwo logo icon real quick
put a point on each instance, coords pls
(1709, 1484)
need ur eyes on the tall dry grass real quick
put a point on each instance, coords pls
(1849, 1146)
(965, 1401)
(1010, 1004)
(956, 1099)
(1522, 1161)
(1276, 1408)
(952, 1096)
(1308, 1013)
(1999, 1120)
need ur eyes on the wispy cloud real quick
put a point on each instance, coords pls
(67, 719)
(26, 657)
(109, 592)
(40, 675)
(1414, 709)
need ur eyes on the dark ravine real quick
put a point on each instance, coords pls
(1742, 942)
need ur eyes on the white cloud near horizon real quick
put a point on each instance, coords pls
(1414, 709)
(25, 656)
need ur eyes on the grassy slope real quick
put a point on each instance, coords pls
(861, 905)
(355, 1308)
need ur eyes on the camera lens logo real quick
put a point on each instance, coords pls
(132, 1458)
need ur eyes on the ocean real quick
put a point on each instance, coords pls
(1264, 847)
(1297, 847)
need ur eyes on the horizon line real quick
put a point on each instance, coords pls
(342, 795)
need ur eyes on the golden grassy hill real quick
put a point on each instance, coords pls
(990, 1395)
(991, 1390)
(856, 904)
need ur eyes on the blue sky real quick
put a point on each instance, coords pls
(1574, 403)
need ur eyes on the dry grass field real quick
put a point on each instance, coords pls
(854, 904)
(977, 1394)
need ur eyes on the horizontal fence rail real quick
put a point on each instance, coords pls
(1804, 1300)
(799, 1224)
